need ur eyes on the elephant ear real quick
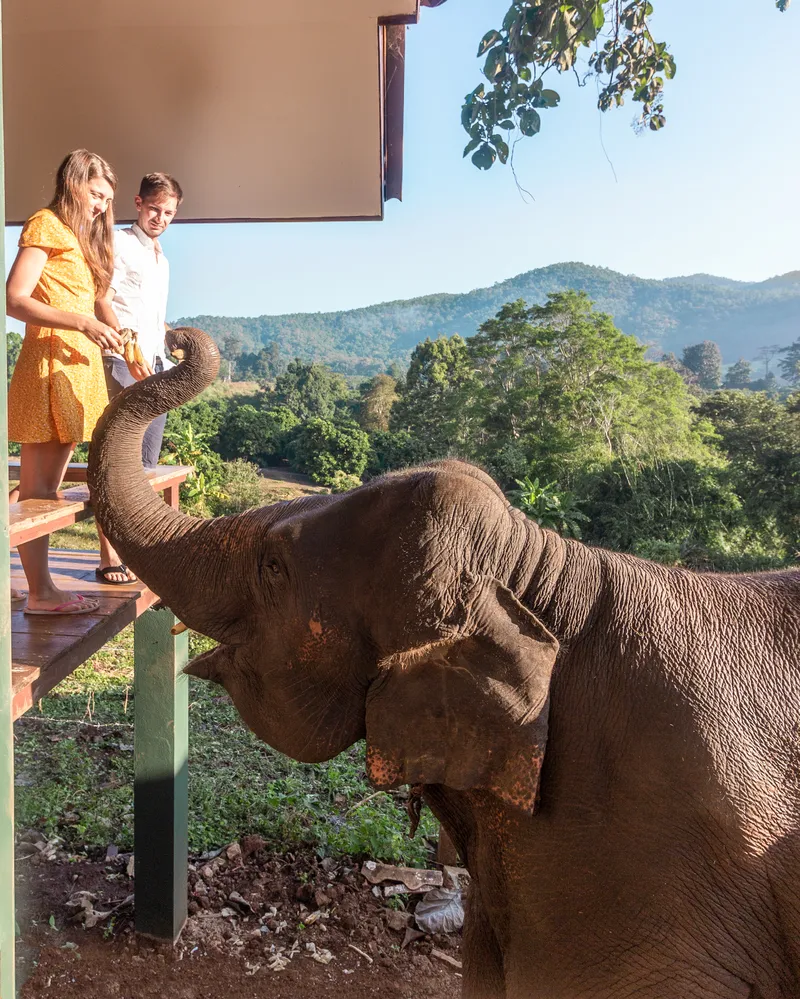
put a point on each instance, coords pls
(468, 710)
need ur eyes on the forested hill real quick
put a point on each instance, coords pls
(740, 316)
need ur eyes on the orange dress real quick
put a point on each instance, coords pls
(58, 389)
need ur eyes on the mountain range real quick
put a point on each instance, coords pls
(667, 315)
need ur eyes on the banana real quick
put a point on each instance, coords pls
(130, 348)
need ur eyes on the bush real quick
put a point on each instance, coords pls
(204, 415)
(341, 482)
(549, 507)
(322, 449)
(391, 450)
(184, 446)
(241, 488)
(255, 434)
(685, 513)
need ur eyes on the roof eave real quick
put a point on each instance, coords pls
(394, 97)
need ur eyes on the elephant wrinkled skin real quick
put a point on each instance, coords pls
(611, 744)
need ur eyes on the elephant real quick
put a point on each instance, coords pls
(611, 744)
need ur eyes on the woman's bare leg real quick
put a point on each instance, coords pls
(109, 557)
(42, 467)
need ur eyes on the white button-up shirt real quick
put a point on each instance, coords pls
(141, 287)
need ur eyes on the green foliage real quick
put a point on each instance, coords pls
(705, 360)
(538, 36)
(241, 488)
(204, 414)
(341, 482)
(310, 390)
(322, 449)
(790, 364)
(548, 507)
(391, 450)
(559, 389)
(541, 35)
(688, 513)
(13, 348)
(261, 366)
(256, 434)
(377, 398)
(760, 437)
(186, 446)
(571, 391)
(739, 375)
(438, 383)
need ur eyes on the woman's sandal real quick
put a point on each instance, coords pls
(18, 598)
(77, 605)
(115, 570)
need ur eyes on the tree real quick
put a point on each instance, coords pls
(766, 354)
(705, 359)
(572, 391)
(671, 361)
(231, 349)
(739, 375)
(432, 403)
(261, 366)
(377, 399)
(790, 365)
(761, 439)
(394, 449)
(310, 390)
(538, 36)
(255, 434)
(323, 449)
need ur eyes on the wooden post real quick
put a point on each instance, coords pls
(7, 922)
(161, 744)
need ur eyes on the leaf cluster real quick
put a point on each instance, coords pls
(538, 36)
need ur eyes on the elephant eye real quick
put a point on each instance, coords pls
(274, 567)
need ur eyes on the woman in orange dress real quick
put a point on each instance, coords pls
(58, 388)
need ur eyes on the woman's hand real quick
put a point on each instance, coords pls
(97, 331)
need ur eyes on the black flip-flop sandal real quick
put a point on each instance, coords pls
(114, 570)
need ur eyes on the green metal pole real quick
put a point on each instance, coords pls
(7, 923)
(160, 794)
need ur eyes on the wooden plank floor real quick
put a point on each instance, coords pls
(46, 649)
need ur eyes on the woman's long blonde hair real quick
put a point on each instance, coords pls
(96, 238)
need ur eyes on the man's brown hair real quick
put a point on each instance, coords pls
(160, 184)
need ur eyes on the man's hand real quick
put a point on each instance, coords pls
(139, 371)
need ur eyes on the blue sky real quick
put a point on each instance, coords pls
(716, 191)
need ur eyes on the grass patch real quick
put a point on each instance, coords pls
(82, 535)
(74, 767)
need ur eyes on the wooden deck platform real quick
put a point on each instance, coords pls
(45, 650)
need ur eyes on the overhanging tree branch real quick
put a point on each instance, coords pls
(539, 35)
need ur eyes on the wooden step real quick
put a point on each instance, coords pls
(33, 518)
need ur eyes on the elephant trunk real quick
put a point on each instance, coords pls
(180, 558)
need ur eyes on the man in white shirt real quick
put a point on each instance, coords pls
(137, 300)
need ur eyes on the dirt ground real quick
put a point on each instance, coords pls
(260, 925)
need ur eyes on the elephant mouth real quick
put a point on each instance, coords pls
(208, 665)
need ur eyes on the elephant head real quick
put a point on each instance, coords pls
(386, 612)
